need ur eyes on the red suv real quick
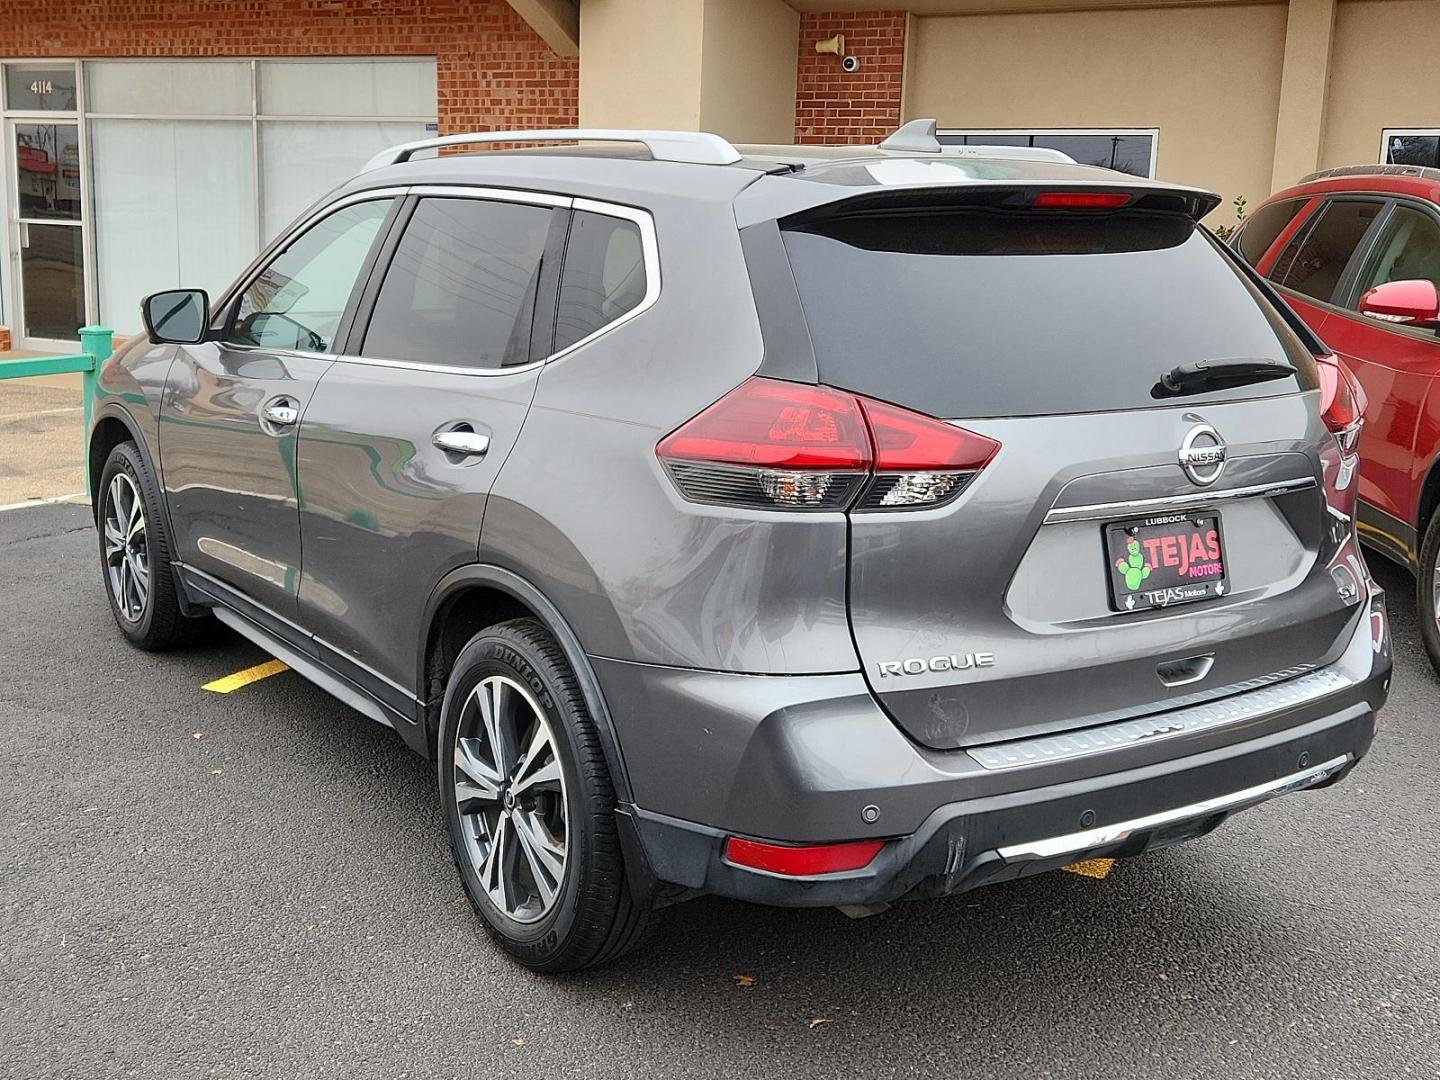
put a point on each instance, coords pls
(1356, 252)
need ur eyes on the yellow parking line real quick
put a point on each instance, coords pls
(246, 677)
(1096, 868)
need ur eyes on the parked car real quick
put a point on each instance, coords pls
(1356, 252)
(808, 526)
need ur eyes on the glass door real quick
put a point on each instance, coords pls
(46, 236)
(49, 229)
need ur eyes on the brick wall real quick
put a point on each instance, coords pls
(492, 69)
(834, 107)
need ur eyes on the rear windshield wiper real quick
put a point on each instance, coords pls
(1220, 374)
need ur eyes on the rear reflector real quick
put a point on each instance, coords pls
(795, 860)
(782, 445)
(1342, 402)
(1080, 200)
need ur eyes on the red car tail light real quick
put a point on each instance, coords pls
(801, 860)
(779, 445)
(1342, 402)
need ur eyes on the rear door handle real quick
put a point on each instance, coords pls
(282, 412)
(462, 442)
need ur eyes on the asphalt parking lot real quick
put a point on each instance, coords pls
(257, 884)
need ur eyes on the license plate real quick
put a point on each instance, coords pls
(1165, 560)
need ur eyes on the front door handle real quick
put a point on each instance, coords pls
(462, 442)
(282, 412)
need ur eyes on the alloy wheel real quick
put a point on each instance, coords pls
(510, 793)
(1435, 594)
(127, 547)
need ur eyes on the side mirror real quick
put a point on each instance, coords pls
(176, 316)
(1410, 303)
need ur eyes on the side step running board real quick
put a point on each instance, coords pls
(305, 666)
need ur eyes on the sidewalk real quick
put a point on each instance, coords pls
(40, 437)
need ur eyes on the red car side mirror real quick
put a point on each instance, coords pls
(1412, 303)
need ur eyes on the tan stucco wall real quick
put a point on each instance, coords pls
(726, 66)
(1382, 74)
(748, 70)
(640, 63)
(1208, 78)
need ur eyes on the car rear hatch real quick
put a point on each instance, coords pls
(1130, 546)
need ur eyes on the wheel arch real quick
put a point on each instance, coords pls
(112, 426)
(1429, 499)
(470, 598)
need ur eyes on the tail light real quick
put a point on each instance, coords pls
(1342, 402)
(777, 445)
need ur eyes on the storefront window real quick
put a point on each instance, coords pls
(174, 208)
(1129, 151)
(1412, 148)
(196, 164)
(168, 88)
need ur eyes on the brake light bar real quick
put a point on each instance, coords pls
(801, 860)
(1080, 200)
(770, 444)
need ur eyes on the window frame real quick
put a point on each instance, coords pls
(1153, 133)
(547, 295)
(222, 312)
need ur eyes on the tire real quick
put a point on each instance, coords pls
(130, 522)
(547, 786)
(1427, 591)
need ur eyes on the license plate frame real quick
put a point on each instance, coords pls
(1170, 571)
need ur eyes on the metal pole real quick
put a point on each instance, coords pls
(97, 342)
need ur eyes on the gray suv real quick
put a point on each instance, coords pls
(808, 526)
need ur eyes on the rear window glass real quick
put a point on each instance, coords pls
(976, 313)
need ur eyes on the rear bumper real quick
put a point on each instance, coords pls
(980, 826)
(976, 842)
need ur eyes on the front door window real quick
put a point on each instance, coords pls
(296, 303)
(1408, 249)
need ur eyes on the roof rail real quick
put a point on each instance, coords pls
(1422, 171)
(919, 137)
(693, 147)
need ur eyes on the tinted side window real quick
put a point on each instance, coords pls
(603, 278)
(461, 287)
(1264, 226)
(1317, 261)
(297, 301)
(1408, 249)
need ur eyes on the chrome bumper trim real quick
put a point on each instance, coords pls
(1234, 709)
(1164, 504)
(1107, 835)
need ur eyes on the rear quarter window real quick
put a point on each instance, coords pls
(1264, 226)
(969, 314)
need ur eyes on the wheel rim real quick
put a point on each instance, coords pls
(510, 794)
(127, 547)
(1435, 594)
